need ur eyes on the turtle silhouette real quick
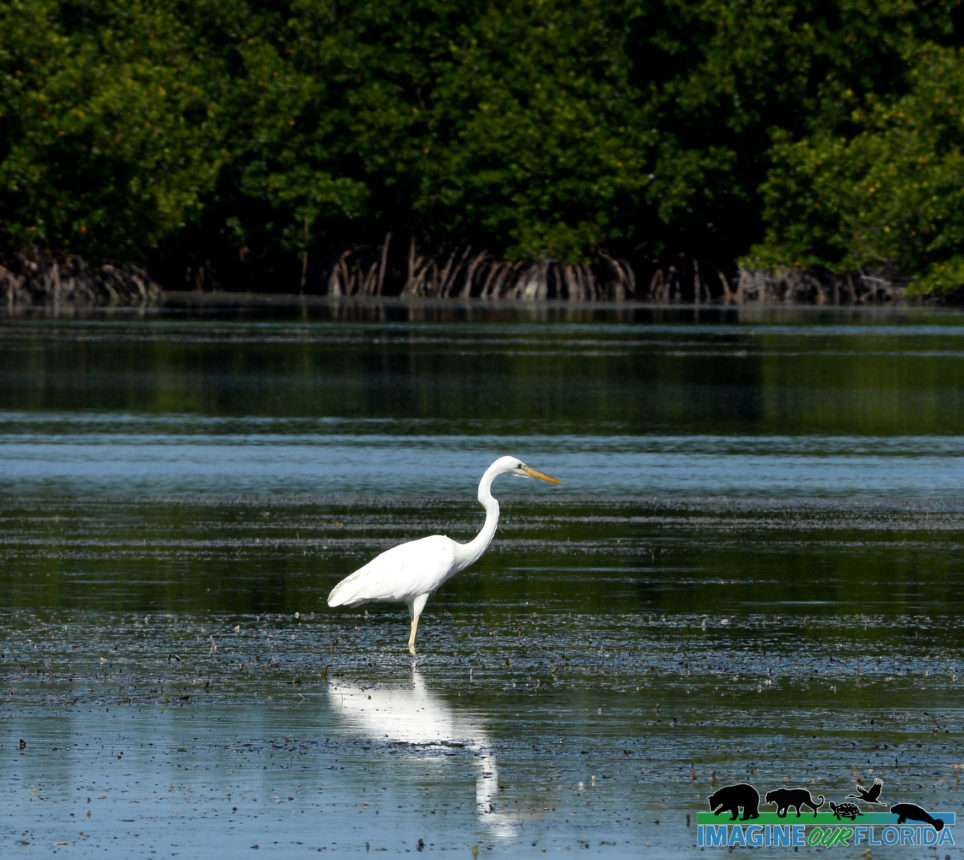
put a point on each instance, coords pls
(845, 810)
(872, 794)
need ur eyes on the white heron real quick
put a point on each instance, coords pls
(410, 572)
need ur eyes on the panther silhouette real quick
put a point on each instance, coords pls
(784, 798)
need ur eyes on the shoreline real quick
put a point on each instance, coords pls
(35, 281)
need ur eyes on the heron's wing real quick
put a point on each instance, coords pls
(399, 574)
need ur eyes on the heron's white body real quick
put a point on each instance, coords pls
(410, 572)
(417, 567)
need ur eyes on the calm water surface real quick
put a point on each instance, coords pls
(751, 573)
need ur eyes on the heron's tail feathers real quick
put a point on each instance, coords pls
(345, 593)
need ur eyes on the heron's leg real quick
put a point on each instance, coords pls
(411, 639)
(415, 608)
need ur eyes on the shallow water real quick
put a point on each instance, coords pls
(750, 573)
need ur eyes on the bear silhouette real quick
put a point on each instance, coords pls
(731, 797)
(784, 798)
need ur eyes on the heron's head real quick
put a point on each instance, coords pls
(514, 466)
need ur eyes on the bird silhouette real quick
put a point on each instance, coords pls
(871, 794)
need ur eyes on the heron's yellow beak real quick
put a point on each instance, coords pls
(542, 476)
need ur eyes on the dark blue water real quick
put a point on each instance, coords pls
(750, 573)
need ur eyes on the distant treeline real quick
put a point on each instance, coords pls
(671, 149)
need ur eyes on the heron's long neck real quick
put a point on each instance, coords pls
(470, 552)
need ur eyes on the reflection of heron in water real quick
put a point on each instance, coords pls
(413, 715)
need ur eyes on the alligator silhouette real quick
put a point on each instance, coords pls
(915, 813)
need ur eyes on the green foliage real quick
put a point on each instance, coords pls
(535, 140)
(535, 128)
(722, 78)
(888, 198)
(109, 135)
(285, 123)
